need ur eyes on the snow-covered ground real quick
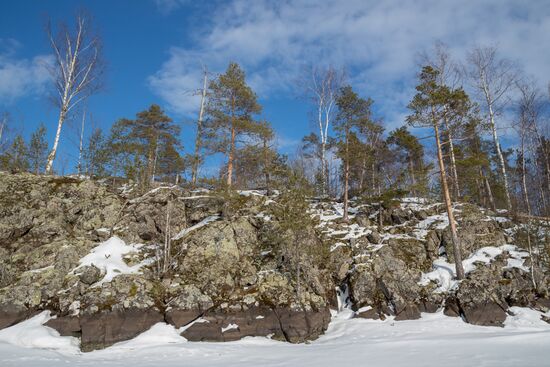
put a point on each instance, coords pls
(434, 340)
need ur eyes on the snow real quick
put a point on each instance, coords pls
(158, 335)
(229, 327)
(32, 334)
(444, 273)
(337, 245)
(435, 340)
(202, 223)
(264, 217)
(109, 258)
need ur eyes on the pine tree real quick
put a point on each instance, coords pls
(474, 166)
(15, 159)
(95, 154)
(231, 107)
(427, 107)
(169, 163)
(140, 142)
(353, 113)
(38, 150)
(412, 157)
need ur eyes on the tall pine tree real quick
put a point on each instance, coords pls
(231, 108)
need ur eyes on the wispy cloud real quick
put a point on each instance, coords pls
(378, 42)
(21, 77)
(168, 6)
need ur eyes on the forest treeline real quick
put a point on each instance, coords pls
(448, 147)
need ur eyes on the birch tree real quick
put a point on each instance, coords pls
(493, 78)
(427, 108)
(198, 138)
(76, 71)
(322, 86)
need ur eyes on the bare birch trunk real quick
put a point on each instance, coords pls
(524, 176)
(488, 189)
(198, 139)
(498, 150)
(53, 152)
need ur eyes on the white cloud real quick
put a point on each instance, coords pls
(21, 77)
(168, 6)
(378, 41)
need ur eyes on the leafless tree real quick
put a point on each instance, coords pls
(198, 138)
(321, 86)
(76, 72)
(493, 78)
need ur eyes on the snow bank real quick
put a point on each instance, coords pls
(526, 318)
(158, 335)
(109, 258)
(444, 273)
(434, 340)
(32, 333)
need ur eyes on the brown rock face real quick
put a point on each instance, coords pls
(11, 314)
(107, 328)
(100, 330)
(66, 326)
(283, 324)
(485, 314)
(180, 318)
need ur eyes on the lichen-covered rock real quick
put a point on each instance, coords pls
(484, 297)
(89, 274)
(187, 305)
(232, 270)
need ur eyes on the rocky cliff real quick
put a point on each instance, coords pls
(110, 263)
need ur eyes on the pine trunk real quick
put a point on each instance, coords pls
(346, 179)
(454, 172)
(457, 252)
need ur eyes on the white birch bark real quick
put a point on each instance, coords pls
(198, 138)
(75, 73)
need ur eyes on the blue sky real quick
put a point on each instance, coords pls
(154, 51)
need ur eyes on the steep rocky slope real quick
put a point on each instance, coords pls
(94, 257)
